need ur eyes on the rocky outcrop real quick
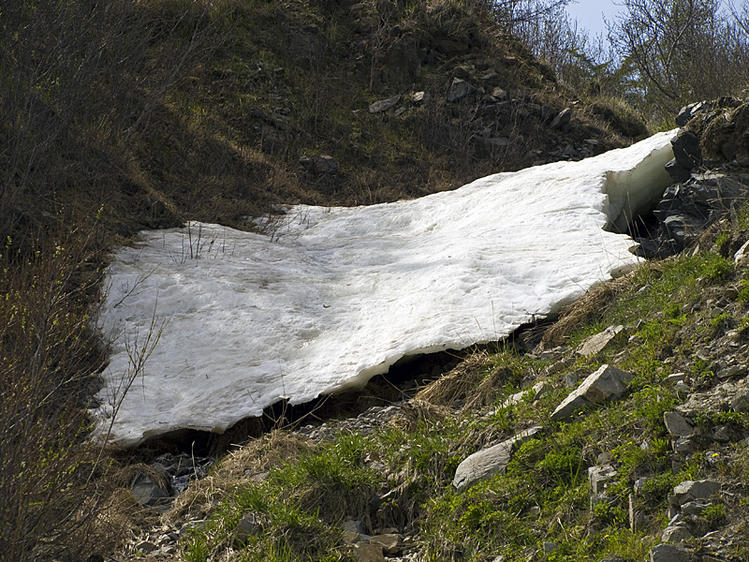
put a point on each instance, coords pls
(711, 154)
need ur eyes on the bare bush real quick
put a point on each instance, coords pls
(682, 50)
(49, 359)
(79, 80)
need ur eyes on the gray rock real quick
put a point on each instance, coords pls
(688, 111)
(352, 531)
(677, 425)
(383, 105)
(700, 200)
(605, 458)
(499, 94)
(685, 445)
(607, 383)
(681, 388)
(730, 372)
(676, 533)
(490, 461)
(668, 553)
(721, 433)
(400, 111)
(598, 342)
(550, 547)
(494, 142)
(249, 526)
(562, 118)
(693, 490)
(676, 172)
(740, 402)
(146, 491)
(694, 507)
(599, 477)
(686, 146)
(390, 542)
(146, 547)
(459, 89)
(368, 552)
(320, 165)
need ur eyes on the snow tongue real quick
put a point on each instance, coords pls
(211, 325)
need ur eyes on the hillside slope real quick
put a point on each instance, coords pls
(223, 110)
(619, 432)
(125, 115)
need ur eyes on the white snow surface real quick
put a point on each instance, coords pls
(337, 295)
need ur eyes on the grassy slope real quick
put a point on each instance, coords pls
(672, 325)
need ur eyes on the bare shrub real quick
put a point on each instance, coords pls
(49, 358)
(682, 50)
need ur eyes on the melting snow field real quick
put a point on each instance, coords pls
(337, 295)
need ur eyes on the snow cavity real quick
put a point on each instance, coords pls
(335, 296)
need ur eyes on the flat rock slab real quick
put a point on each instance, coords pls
(383, 105)
(607, 383)
(693, 490)
(490, 461)
(598, 342)
(677, 425)
(668, 553)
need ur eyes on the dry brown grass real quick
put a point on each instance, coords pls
(242, 466)
(584, 310)
(471, 386)
(415, 412)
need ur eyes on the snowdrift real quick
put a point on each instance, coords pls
(335, 296)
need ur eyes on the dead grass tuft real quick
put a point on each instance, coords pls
(241, 466)
(474, 384)
(124, 476)
(416, 411)
(458, 385)
(584, 310)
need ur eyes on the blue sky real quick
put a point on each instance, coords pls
(589, 13)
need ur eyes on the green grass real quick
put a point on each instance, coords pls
(543, 496)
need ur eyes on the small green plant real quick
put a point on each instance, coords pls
(714, 515)
(651, 403)
(608, 514)
(743, 291)
(716, 269)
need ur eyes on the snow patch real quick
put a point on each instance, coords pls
(337, 295)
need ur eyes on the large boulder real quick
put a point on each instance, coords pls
(380, 106)
(459, 89)
(607, 383)
(490, 461)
